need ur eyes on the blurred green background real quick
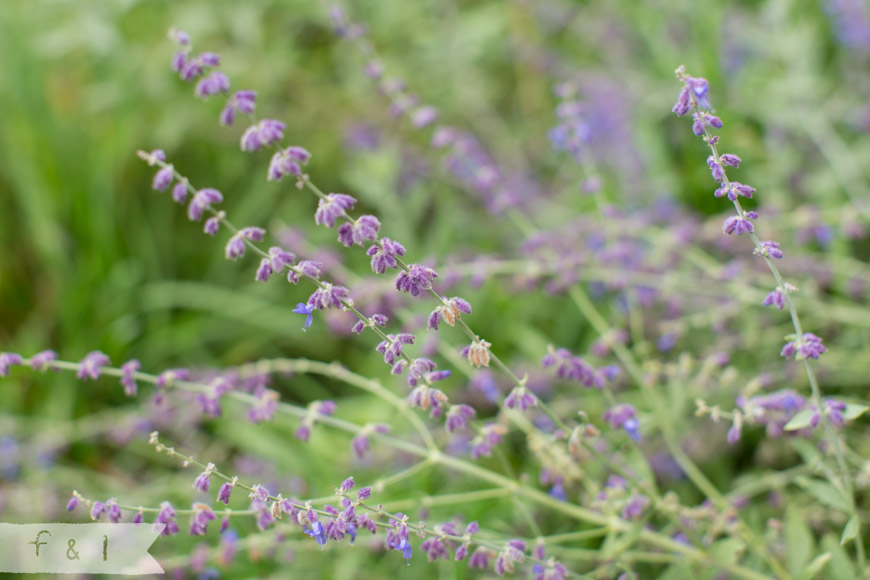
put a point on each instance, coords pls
(93, 259)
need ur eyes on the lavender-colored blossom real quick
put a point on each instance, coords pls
(458, 417)
(634, 507)
(263, 134)
(202, 515)
(776, 298)
(152, 157)
(72, 504)
(570, 367)
(424, 116)
(416, 279)
(328, 296)
(179, 191)
(405, 547)
(513, 553)
(769, 249)
(317, 533)
(226, 490)
(98, 508)
(480, 558)
(625, 417)
(163, 178)
(113, 510)
(808, 346)
(288, 161)
(734, 189)
(213, 224)
(520, 398)
(89, 367)
(128, 381)
(169, 376)
(190, 68)
(333, 207)
(384, 255)
(450, 312)
(10, 359)
(426, 398)
(362, 229)
(241, 101)
(211, 84)
(489, 436)
(235, 247)
(203, 199)
(202, 480)
(737, 224)
(167, 517)
(773, 410)
(41, 361)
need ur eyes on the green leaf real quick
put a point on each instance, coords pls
(852, 412)
(802, 419)
(798, 540)
(825, 493)
(816, 566)
(840, 565)
(850, 531)
(727, 551)
(799, 421)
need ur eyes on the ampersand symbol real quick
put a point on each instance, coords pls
(71, 548)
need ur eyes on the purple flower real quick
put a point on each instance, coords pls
(128, 381)
(167, 516)
(449, 313)
(202, 515)
(634, 507)
(202, 480)
(489, 436)
(808, 346)
(235, 247)
(778, 297)
(263, 134)
(415, 279)
(391, 348)
(307, 310)
(362, 229)
(737, 224)
(317, 533)
(574, 368)
(520, 398)
(480, 558)
(734, 189)
(98, 508)
(333, 207)
(288, 161)
(458, 417)
(213, 224)
(625, 417)
(89, 367)
(280, 259)
(10, 359)
(152, 157)
(405, 547)
(241, 101)
(424, 116)
(702, 120)
(169, 376)
(730, 160)
(225, 490)
(384, 255)
(769, 249)
(328, 296)
(72, 504)
(38, 362)
(179, 37)
(213, 83)
(179, 191)
(203, 199)
(163, 178)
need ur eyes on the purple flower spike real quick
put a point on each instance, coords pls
(41, 361)
(73, 503)
(128, 369)
(264, 270)
(734, 190)
(8, 360)
(213, 83)
(163, 178)
(225, 490)
(730, 160)
(235, 247)
(347, 484)
(624, 416)
(98, 508)
(167, 516)
(307, 310)
(775, 298)
(203, 199)
(241, 101)
(699, 87)
(332, 208)
(416, 279)
(179, 192)
(385, 254)
(328, 296)
(89, 367)
(213, 224)
(264, 134)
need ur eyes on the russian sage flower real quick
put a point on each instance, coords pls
(263, 134)
(243, 102)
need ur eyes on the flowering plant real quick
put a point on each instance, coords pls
(509, 359)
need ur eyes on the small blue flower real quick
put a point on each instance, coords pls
(317, 533)
(406, 549)
(305, 309)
